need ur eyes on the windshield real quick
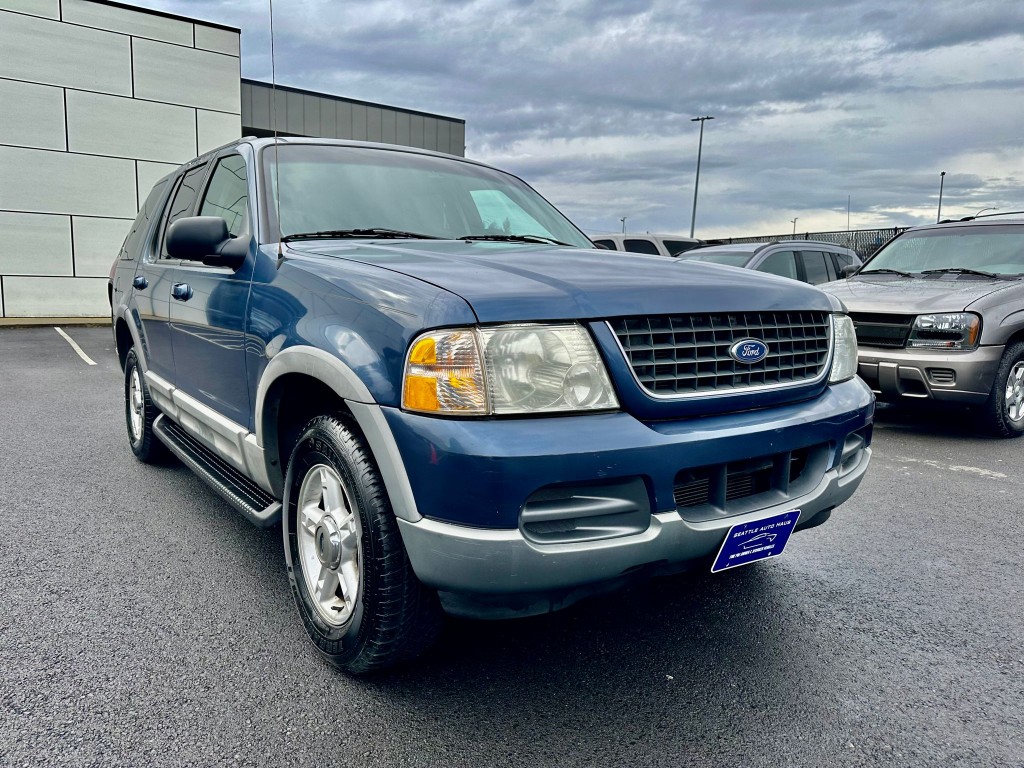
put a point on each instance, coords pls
(730, 258)
(995, 249)
(337, 188)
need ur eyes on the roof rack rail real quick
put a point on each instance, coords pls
(1003, 213)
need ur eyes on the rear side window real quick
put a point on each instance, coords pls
(843, 259)
(641, 246)
(781, 263)
(815, 268)
(675, 247)
(609, 244)
(133, 243)
(182, 202)
(228, 194)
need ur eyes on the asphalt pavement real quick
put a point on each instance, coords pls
(144, 622)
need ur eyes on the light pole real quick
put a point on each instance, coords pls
(990, 208)
(696, 180)
(623, 220)
(795, 219)
(942, 179)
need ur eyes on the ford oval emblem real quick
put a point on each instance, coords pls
(748, 351)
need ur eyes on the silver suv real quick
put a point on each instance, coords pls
(939, 313)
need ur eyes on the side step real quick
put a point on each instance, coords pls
(259, 507)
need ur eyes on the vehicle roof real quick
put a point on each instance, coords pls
(757, 247)
(644, 234)
(986, 221)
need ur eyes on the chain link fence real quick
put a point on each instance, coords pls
(863, 242)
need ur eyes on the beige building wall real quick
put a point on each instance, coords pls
(97, 101)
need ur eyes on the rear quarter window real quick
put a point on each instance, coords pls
(636, 245)
(136, 235)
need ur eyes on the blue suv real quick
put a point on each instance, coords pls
(453, 403)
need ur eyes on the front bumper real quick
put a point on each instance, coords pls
(958, 377)
(475, 480)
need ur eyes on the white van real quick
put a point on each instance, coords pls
(658, 245)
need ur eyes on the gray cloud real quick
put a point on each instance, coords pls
(590, 101)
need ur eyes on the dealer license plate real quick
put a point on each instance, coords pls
(757, 540)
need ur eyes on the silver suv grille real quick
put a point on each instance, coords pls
(678, 355)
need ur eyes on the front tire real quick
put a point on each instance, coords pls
(1004, 412)
(140, 413)
(361, 604)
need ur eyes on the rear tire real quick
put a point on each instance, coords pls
(1003, 413)
(361, 604)
(140, 413)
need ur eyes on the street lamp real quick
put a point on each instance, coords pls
(794, 220)
(990, 208)
(696, 181)
(942, 178)
(623, 220)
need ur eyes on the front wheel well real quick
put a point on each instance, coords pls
(291, 402)
(123, 340)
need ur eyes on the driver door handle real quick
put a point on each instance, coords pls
(181, 291)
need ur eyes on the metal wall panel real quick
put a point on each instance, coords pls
(373, 124)
(311, 116)
(48, 8)
(43, 181)
(389, 126)
(295, 122)
(458, 139)
(216, 129)
(279, 113)
(56, 297)
(359, 122)
(44, 51)
(430, 133)
(35, 244)
(176, 75)
(129, 22)
(344, 120)
(328, 118)
(444, 136)
(31, 115)
(99, 124)
(404, 125)
(216, 39)
(416, 130)
(97, 242)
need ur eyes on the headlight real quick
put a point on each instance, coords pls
(512, 369)
(953, 330)
(844, 353)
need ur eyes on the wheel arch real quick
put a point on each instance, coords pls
(301, 383)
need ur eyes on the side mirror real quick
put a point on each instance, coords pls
(206, 239)
(848, 270)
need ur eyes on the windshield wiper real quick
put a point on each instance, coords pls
(884, 270)
(958, 271)
(374, 232)
(515, 239)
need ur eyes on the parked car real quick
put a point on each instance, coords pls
(418, 366)
(656, 245)
(939, 313)
(811, 261)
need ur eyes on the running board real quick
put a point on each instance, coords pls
(259, 507)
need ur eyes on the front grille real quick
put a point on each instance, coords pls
(689, 354)
(726, 489)
(882, 330)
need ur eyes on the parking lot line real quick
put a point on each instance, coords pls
(74, 346)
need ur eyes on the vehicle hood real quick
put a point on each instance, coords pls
(508, 282)
(912, 295)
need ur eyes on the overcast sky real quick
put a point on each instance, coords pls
(589, 101)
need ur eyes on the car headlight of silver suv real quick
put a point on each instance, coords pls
(950, 330)
(844, 352)
(505, 370)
